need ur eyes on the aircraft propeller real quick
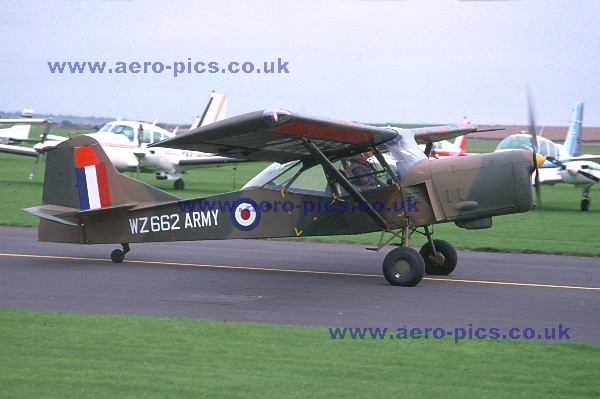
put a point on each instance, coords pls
(37, 158)
(535, 148)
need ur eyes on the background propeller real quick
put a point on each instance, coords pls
(39, 154)
(581, 172)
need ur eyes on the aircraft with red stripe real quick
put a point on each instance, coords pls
(320, 184)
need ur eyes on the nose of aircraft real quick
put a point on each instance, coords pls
(539, 159)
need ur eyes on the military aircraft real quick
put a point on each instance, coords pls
(308, 191)
(126, 142)
(564, 162)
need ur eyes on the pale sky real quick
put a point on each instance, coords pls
(412, 61)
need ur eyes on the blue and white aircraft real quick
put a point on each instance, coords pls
(564, 164)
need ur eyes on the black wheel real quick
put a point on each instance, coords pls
(179, 185)
(403, 266)
(117, 256)
(440, 265)
(585, 204)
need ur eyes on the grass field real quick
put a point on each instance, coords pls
(72, 356)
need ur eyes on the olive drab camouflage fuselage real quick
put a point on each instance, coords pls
(309, 191)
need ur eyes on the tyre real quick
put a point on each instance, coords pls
(438, 266)
(117, 256)
(585, 204)
(404, 267)
(179, 184)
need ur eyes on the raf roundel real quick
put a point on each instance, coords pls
(245, 215)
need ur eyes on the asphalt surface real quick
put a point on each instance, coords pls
(301, 283)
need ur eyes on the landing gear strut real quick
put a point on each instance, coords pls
(118, 255)
(585, 198)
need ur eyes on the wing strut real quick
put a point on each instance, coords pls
(328, 166)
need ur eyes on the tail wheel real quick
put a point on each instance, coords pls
(444, 262)
(117, 256)
(403, 266)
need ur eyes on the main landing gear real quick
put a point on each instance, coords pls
(118, 255)
(406, 267)
(585, 198)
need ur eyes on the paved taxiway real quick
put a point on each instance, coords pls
(303, 283)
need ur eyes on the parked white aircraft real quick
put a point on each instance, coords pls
(125, 143)
(21, 126)
(564, 163)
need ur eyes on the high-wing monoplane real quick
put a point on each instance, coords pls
(126, 144)
(322, 183)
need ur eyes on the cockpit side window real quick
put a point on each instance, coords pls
(147, 137)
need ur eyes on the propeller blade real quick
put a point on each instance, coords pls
(589, 176)
(37, 159)
(534, 146)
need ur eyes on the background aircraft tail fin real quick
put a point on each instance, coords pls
(573, 140)
(461, 143)
(16, 133)
(216, 110)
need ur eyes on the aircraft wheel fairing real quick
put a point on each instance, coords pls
(117, 256)
(439, 265)
(403, 266)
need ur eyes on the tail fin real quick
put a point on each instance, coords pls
(461, 143)
(573, 140)
(81, 182)
(216, 110)
(15, 133)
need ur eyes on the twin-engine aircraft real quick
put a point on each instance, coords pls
(126, 144)
(329, 177)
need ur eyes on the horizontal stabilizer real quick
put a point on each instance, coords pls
(71, 216)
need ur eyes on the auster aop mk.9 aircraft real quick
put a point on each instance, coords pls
(126, 144)
(308, 191)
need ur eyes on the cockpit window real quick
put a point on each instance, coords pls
(404, 151)
(106, 128)
(515, 143)
(127, 131)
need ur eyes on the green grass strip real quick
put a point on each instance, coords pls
(60, 355)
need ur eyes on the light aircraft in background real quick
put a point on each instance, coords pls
(445, 148)
(126, 144)
(21, 127)
(564, 164)
(306, 192)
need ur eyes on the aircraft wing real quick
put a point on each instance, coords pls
(277, 136)
(13, 149)
(424, 135)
